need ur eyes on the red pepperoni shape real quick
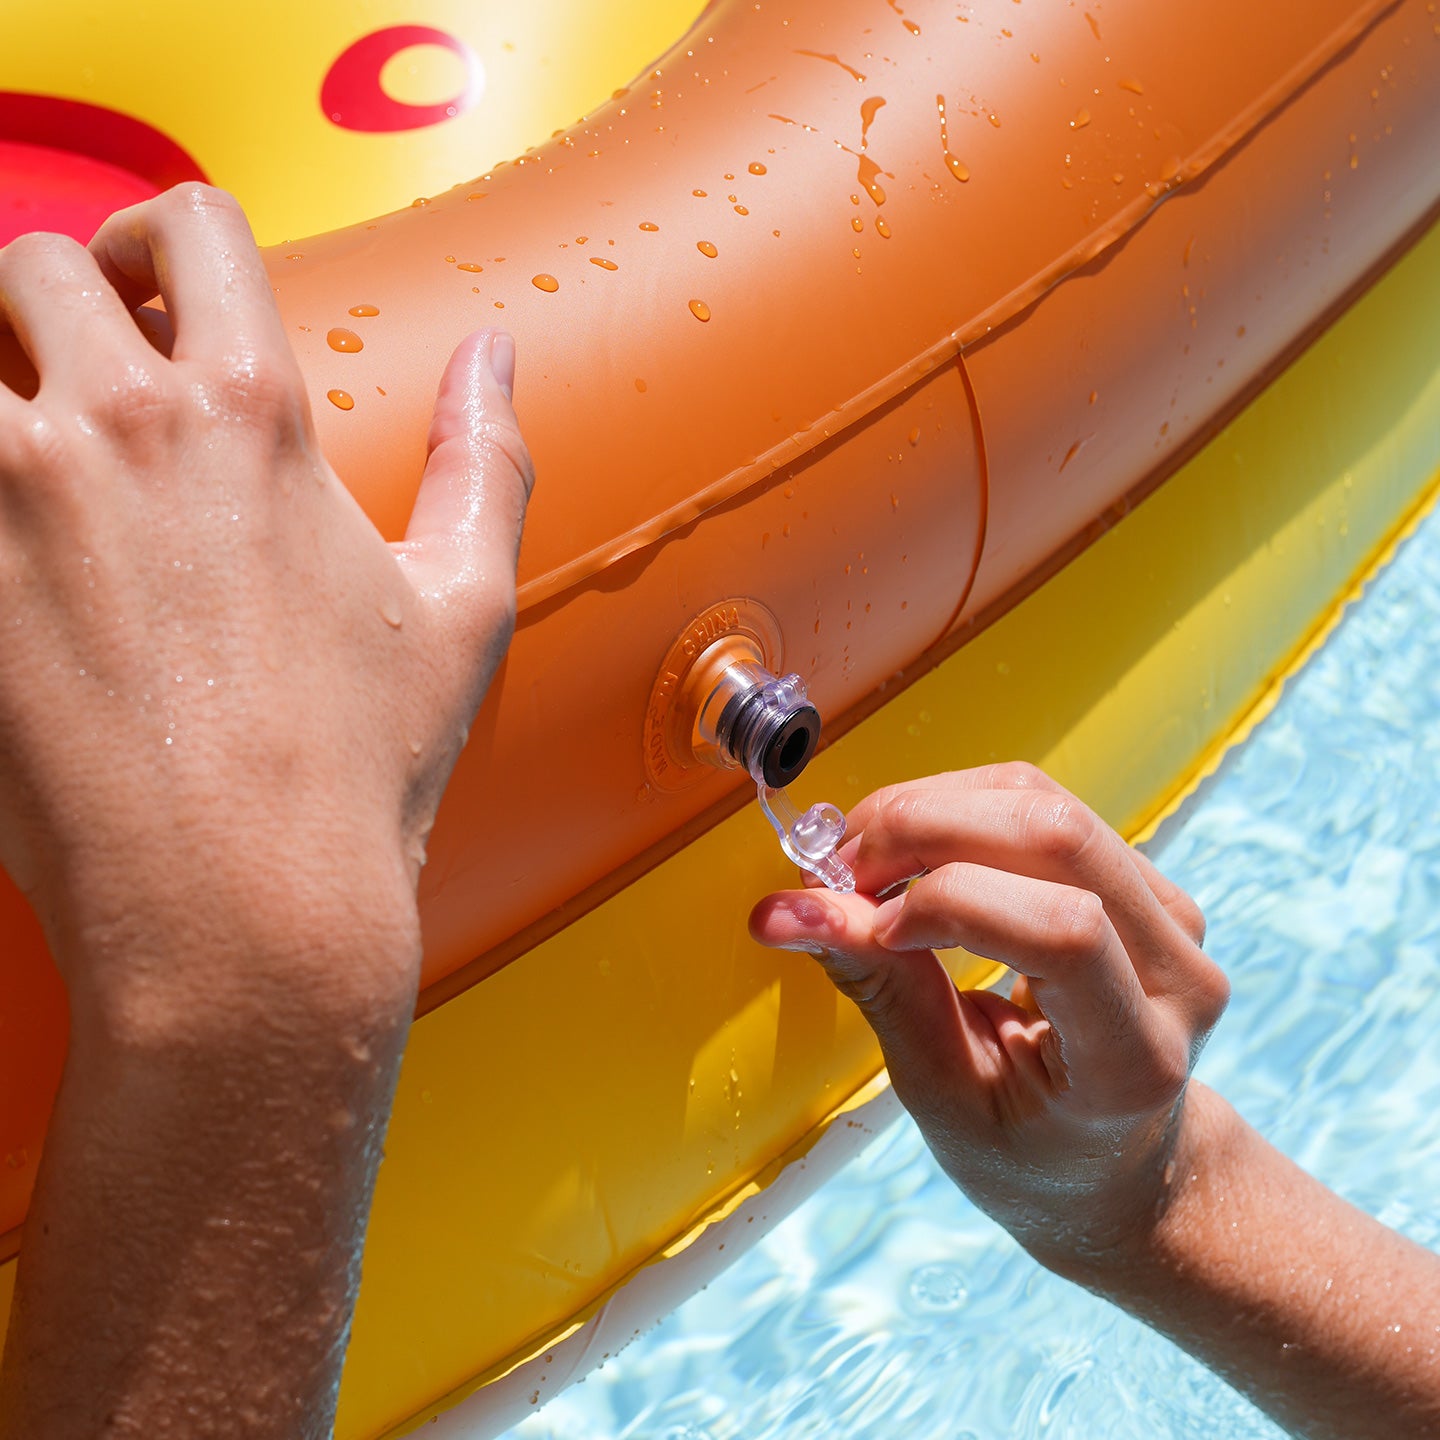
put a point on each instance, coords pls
(351, 97)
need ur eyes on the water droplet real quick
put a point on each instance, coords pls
(868, 110)
(915, 436)
(699, 193)
(882, 228)
(364, 311)
(741, 210)
(699, 309)
(470, 267)
(548, 283)
(1081, 120)
(1093, 23)
(649, 225)
(344, 340)
(641, 386)
(298, 255)
(756, 168)
(956, 166)
(1133, 86)
(869, 170)
(340, 399)
(706, 248)
(603, 263)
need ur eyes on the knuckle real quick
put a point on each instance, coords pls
(1189, 916)
(196, 197)
(870, 987)
(1077, 925)
(265, 391)
(1021, 775)
(1061, 829)
(502, 442)
(40, 248)
(1213, 995)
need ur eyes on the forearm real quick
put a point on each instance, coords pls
(1326, 1319)
(192, 1254)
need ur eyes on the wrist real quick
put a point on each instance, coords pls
(163, 946)
(1150, 1203)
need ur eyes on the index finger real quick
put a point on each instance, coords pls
(1039, 831)
(193, 247)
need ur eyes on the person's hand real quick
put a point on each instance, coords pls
(227, 713)
(1057, 1110)
(217, 682)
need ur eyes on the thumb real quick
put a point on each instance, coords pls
(907, 997)
(463, 540)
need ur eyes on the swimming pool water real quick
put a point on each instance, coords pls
(887, 1308)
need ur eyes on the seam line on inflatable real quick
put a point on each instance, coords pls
(1105, 240)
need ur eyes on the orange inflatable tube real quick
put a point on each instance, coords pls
(842, 328)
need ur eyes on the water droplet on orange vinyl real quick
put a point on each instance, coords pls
(603, 263)
(882, 228)
(699, 193)
(649, 225)
(699, 309)
(1081, 120)
(548, 283)
(340, 399)
(364, 311)
(741, 210)
(1133, 86)
(449, 259)
(857, 224)
(756, 168)
(956, 166)
(470, 267)
(706, 248)
(869, 170)
(640, 385)
(915, 436)
(868, 110)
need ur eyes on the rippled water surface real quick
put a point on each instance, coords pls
(886, 1308)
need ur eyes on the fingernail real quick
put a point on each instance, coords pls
(502, 361)
(886, 915)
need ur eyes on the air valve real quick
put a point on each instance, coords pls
(717, 703)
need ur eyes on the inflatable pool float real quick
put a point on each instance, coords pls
(849, 331)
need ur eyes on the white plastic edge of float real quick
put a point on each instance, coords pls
(659, 1287)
